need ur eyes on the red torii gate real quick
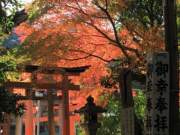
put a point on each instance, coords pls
(65, 86)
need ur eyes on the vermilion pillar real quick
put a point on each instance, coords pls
(72, 126)
(29, 128)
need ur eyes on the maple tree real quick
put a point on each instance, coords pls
(52, 40)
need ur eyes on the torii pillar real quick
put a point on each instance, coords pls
(65, 121)
(29, 124)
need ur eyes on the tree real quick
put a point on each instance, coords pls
(147, 12)
(9, 102)
(111, 120)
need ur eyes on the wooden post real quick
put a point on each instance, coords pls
(61, 122)
(172, 49)
(65, 98)
(51, 127)
(125, 88)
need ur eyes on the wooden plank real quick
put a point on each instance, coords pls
(27, 85)
(52, 70)
(37, 98)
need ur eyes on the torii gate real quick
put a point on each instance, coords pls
(65, 86)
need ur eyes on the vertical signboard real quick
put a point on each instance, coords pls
(157, 118)
(161, 94)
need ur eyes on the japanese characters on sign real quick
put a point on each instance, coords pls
(157, 117)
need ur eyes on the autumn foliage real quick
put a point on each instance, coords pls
(74, 33)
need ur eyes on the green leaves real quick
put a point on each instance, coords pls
(139, 101)
(38, 8)
(110, 121)
(8, 104)
(8, 62)
(148, 12)
(8, 100)
(7, 12)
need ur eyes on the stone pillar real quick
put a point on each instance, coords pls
(18, 125)
(38, 115)
(128, 119)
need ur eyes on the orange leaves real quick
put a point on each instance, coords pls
(58, 39)
(23, 31)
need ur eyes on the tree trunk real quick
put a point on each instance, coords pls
(172, 48)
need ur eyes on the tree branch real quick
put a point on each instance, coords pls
(85, 57)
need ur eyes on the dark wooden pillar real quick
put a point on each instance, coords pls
(61, 122)
(6, 125)
(172, 49)
(125, 88)
(65, 98)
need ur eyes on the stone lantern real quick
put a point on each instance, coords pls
(90, 112)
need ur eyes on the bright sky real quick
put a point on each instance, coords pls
(25, 1)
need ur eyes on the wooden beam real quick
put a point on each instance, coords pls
(52, 70)
(27, 85)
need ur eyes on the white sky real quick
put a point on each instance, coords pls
(25, 1)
